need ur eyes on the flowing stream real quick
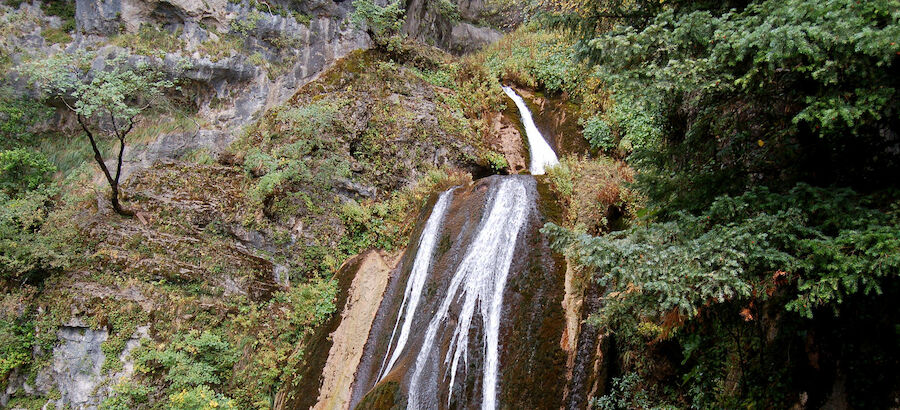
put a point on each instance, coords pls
(542, 154)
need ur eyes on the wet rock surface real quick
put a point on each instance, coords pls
(532, 363)
(557, 119)
(336, 348)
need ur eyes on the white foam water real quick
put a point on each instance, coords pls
(542, 155)
(417, 278)
(477, 285)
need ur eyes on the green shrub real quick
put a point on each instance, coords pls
(625, 393)
(199, 398)
(702, 282)
(16, 341)
(383, 23)
(23, 170)
(18, 116)
(496, 161)
(831, 241)
(599, 134)
(56, 36)
(190, 360)
(709, 99)
(126, 396)
(151, 40)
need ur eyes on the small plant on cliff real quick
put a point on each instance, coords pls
(383, 24)
(106, 102)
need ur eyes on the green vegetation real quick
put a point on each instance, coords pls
(737, 213)
(106, 103)
(383, 23)
(150, 40)
(767, 219)
(18, 117)
(16, 340)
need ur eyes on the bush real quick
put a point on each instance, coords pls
(200, 398)
(710, 100)
(23, 170)
(599, 134)
(382, 23)
(18, 116)
(16, 340)
(829, 240)
(717, 285)
(190, 360)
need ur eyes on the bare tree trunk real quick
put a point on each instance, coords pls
(113, 182)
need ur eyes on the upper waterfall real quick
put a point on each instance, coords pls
(542, 155)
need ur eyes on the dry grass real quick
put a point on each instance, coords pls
(602, 192)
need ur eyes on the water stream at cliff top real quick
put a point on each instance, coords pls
(542, 155)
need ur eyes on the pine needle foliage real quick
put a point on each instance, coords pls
(831, 243)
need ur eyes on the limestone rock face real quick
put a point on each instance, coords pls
(276, 55)
(106, 17)
(76, 368)
(77, 362)
(234, 59)
(476, 25)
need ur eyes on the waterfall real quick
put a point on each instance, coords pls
(478, 283)
(542, 154)
(429, 350)
(417, 277)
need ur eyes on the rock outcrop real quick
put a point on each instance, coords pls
(76, 368)
(459, 26)
(233, 60)
(337, 347)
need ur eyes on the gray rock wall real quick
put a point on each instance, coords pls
(233, 91)
(75, 370)
(478, 25)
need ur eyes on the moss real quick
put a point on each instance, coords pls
(385, 396)
(56, 36)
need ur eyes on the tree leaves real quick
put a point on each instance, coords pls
(825, 238)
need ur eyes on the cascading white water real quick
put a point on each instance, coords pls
(478, 282)
(542, 154)
(417, 278)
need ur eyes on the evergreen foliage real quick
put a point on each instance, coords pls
(774, 91)
(802, 254)
(745, 122)
(830, 241)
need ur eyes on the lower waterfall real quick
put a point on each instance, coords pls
(417, 277)
(477, 284)
(542, 155)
